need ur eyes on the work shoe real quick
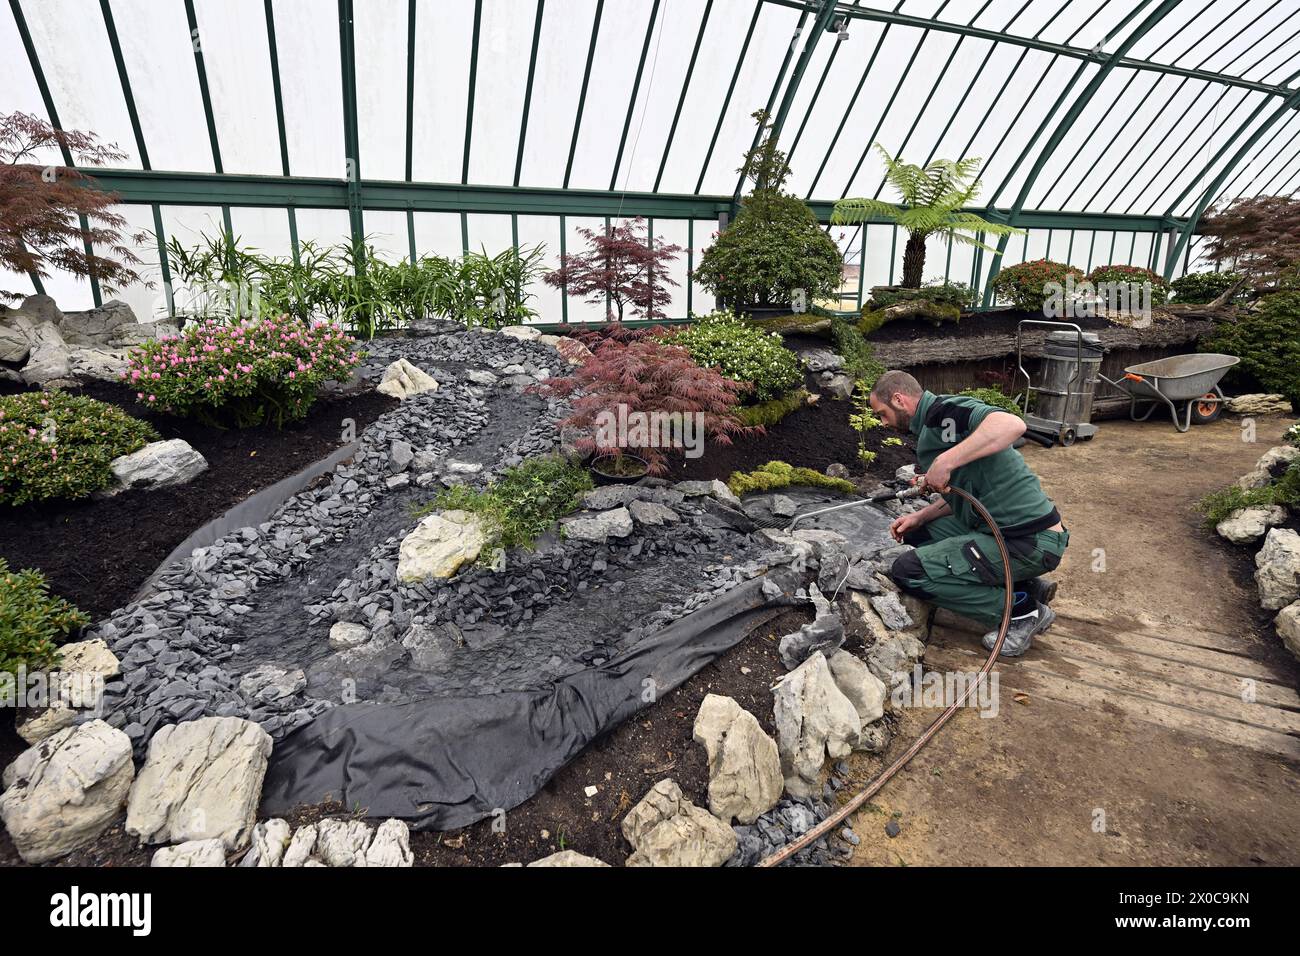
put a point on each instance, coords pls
(1042, 590)
(1020, 634)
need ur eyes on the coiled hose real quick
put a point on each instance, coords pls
(875, 786)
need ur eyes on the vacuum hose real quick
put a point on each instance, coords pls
(875, 786)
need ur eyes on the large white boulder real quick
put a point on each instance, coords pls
(1287, 623)
(813, 719)
(865, 691)
(97, 326)
(159, 464)
(391, 845)
(83, 667)
(200, 780)
(401, 380)
(1248, 525)
(744, 766)
(439, 545)
(15, 339)
(666, 829)
(50, 357)
(568, 858)
(66, 790)
(194, 853)
(1278, 569)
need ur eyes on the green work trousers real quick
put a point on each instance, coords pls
(959, 569)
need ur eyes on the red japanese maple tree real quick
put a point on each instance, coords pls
(644, 375)
(1259, 236)
(41, 207)
(623, 267)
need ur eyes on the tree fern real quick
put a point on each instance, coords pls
(931, 200)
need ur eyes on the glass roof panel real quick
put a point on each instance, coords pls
(72, 44)
(238, 61)
(443, 43)
(307, 41)
(380, 32)
(158, 51)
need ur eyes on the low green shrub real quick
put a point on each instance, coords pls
(957, 294)
(742, 353)
(859, 357)
(778, 474)
(1219, 505)
(1292, 436)
(1267, 342)
(32, 621)
(994, 397)
(802, 323)
(523, 503)
(1131, 275)
(268, 369)
(57, 445)
(1023, 285)
(773, 410)
(1198, 288)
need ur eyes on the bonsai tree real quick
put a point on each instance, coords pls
(43, 206)
(774, 248)
(1259, 236)
(931, 203)
(644, 377)
(622, 267)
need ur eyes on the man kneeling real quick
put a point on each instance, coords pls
(956, 564)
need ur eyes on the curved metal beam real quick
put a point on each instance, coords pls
(1066, 123)
(1207, 197)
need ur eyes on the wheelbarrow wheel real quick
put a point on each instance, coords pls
(1206, 409)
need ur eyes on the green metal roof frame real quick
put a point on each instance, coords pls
(354, 193)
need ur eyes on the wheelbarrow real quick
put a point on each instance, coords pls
(1187, 385)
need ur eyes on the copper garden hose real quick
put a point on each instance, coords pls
(875, 786)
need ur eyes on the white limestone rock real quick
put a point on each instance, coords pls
(62, 793)
(159, 464)
(1278, 569)
(210, 853)
(401, 380)
(666, 829)
(439, 545)
(744, 766)
(200, 779)
(813, 719)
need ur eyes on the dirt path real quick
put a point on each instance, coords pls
(1123, 738)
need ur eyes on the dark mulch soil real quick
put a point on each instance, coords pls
(98, 553)
(623, 765)
(811, 437)
(979, 323)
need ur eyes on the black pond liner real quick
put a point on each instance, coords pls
(447, 762)
(450, 759)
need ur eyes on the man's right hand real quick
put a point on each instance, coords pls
(908, 522)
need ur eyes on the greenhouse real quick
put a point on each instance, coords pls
(631, 432)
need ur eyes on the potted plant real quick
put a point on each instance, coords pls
(637, 400)
(774, 252)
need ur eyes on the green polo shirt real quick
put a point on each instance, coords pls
(1002, 481)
